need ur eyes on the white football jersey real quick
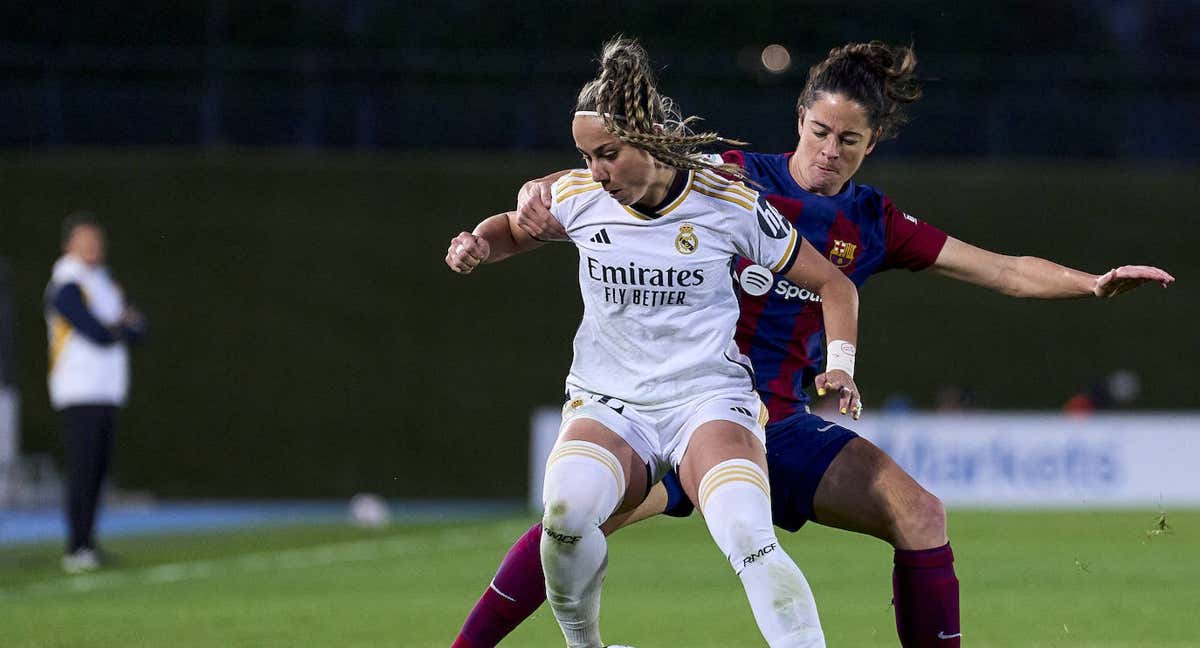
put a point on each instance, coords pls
(81, 371)
(659, 300)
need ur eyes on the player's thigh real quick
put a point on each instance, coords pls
(864, 490)
(799, 450)
(636, 474)
(712, 443)
(654, 504)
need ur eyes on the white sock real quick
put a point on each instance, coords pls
(735, 499)
(584, 484)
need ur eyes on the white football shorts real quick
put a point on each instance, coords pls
(660, 436)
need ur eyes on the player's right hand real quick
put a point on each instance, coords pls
(132, 318)
(533, 212)
(467, 251)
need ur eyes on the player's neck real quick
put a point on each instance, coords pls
(659, 186)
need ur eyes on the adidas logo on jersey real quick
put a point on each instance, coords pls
(743, 411)
(601, 237)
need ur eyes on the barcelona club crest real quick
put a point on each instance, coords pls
(686, 242)
(842, 253)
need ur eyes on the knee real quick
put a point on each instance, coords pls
(572, 515)
(568, 510)
(745, 536)
(581, 490)
(921, 523)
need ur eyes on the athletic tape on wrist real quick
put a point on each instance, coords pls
(840, 355)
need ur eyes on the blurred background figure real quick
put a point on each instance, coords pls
(8, 390)
(89, 325)
(1118, 390)
(954, 398)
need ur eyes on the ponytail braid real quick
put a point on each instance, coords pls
(627, 99)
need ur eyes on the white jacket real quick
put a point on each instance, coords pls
(81, 371)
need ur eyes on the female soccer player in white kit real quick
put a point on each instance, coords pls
(657, 380)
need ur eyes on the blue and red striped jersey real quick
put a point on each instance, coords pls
(781, 327)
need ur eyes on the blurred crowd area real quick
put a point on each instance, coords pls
(1084, 78)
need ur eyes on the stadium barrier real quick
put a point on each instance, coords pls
(1025, 461)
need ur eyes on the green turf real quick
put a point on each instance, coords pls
(1046, 579)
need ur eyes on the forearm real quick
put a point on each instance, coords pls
(1039, 278)
(504, 237)
(1023, 276)
(839, 297)
(70, 305)
(839, 305)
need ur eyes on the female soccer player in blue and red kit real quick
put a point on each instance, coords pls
(820, 470)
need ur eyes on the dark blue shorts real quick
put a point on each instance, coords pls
(799, 451)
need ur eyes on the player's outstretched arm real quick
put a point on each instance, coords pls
(1036, 277)
(495, 239)
(839, 303)
(533, 209)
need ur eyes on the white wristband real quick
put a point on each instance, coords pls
(840, 355)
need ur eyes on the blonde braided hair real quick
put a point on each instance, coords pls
(625, 97)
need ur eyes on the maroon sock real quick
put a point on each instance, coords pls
(517, 590)
(925, 595)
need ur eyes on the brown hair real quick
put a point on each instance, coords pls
(625, 96)
(877, 76)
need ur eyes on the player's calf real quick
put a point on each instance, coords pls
(584, 483)
(918, 521)
(735, 499)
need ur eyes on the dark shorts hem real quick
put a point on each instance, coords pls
(800, 449)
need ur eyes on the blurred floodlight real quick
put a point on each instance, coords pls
(776, 59)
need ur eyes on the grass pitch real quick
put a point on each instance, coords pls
(1028, 579)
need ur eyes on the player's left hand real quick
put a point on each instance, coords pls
(840, 382)
(466, 252)
(1126, 278)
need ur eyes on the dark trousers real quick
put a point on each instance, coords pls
(88, 440)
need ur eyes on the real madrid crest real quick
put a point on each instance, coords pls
(686, 242)
(842, 253)
(570, 406)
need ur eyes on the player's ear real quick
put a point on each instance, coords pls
(874, 140)
(800, 120)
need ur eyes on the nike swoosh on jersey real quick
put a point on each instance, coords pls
(826, 428)
(943, 635)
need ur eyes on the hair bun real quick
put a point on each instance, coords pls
(878, 76)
